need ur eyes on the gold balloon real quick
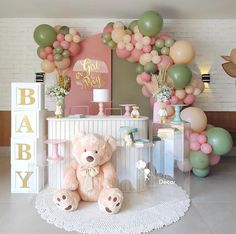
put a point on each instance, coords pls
(182, 52)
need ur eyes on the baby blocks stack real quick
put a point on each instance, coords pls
(28, 156)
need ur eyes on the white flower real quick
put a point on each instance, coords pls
(140, 164)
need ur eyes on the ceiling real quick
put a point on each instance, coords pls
(173, 9)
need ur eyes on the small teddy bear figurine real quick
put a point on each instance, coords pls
(162, 113)
(135, 113)
(91, 177)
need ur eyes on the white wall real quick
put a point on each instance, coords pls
(211, 38)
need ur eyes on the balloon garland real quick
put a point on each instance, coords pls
(163, 72)
(56, 46)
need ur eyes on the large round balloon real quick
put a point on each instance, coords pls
(201, 172)
(180, 74)
(150, 23)
(45, 35)
(182, 52)
(220, 140)
(199, 160)
(196, 117)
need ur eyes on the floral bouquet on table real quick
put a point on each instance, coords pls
(59, 91)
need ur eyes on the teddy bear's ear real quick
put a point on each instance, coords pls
(78, 136)
(112, 143)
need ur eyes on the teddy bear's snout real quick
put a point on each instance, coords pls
(90, 159)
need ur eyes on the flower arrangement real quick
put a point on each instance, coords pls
(163, 90)
(61, 88)
(163, 93)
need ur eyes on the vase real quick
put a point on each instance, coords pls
(59, 110)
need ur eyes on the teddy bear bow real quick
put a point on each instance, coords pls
(89, 173)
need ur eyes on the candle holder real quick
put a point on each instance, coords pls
(177, 119)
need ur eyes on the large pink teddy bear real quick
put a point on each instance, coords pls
(91, 177)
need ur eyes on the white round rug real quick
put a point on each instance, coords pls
(141, 212)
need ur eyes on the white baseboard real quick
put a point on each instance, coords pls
(5, 151)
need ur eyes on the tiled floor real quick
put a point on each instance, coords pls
(213, 208)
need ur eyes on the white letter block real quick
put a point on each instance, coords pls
(28, 123)
(27, 96)
(28, 150)
(26, 178)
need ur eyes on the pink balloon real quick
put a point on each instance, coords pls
(174, 100)
(60, 37)
(147, 48)
(194, 136)
(50, 57)
(56, 44)
(48, 50)
(202, 139)
(214, 159)
(164, 36)
(135, 54)
(166, 62)
(42, 54)
(108, 29)
(145, 77)
(65, 45)
(122, 53)
(206, 148)
(195, 146)
(74, 48)
(189, 99)
(146, 92)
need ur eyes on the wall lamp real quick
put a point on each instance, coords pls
(206, 78)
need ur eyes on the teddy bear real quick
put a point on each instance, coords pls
(90, 176)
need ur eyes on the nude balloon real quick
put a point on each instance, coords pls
(196, 117)
(180, 93)
(182, 52)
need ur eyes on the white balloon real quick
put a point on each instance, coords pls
(184, 166)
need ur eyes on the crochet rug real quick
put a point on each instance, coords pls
(141, 212)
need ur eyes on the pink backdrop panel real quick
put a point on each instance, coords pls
(90, 69)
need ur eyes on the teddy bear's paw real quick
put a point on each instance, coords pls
(110, 200)
(66, 200)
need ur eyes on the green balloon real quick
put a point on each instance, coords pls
(165, 50)
(139, 68)
(180, 74)
(58, 50)
(159, 43)
(150, 23)
(58, 57)
(40, 48)
(201, 172)
(106, 36)
(44, 35)
(54, 51)
(220, 140)
(199, 160)
(66, 53)
(150, 67)
(110, 24)
(104, 41)
(111, 44)
(132, 25)
(64, 30)
(169, 42)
